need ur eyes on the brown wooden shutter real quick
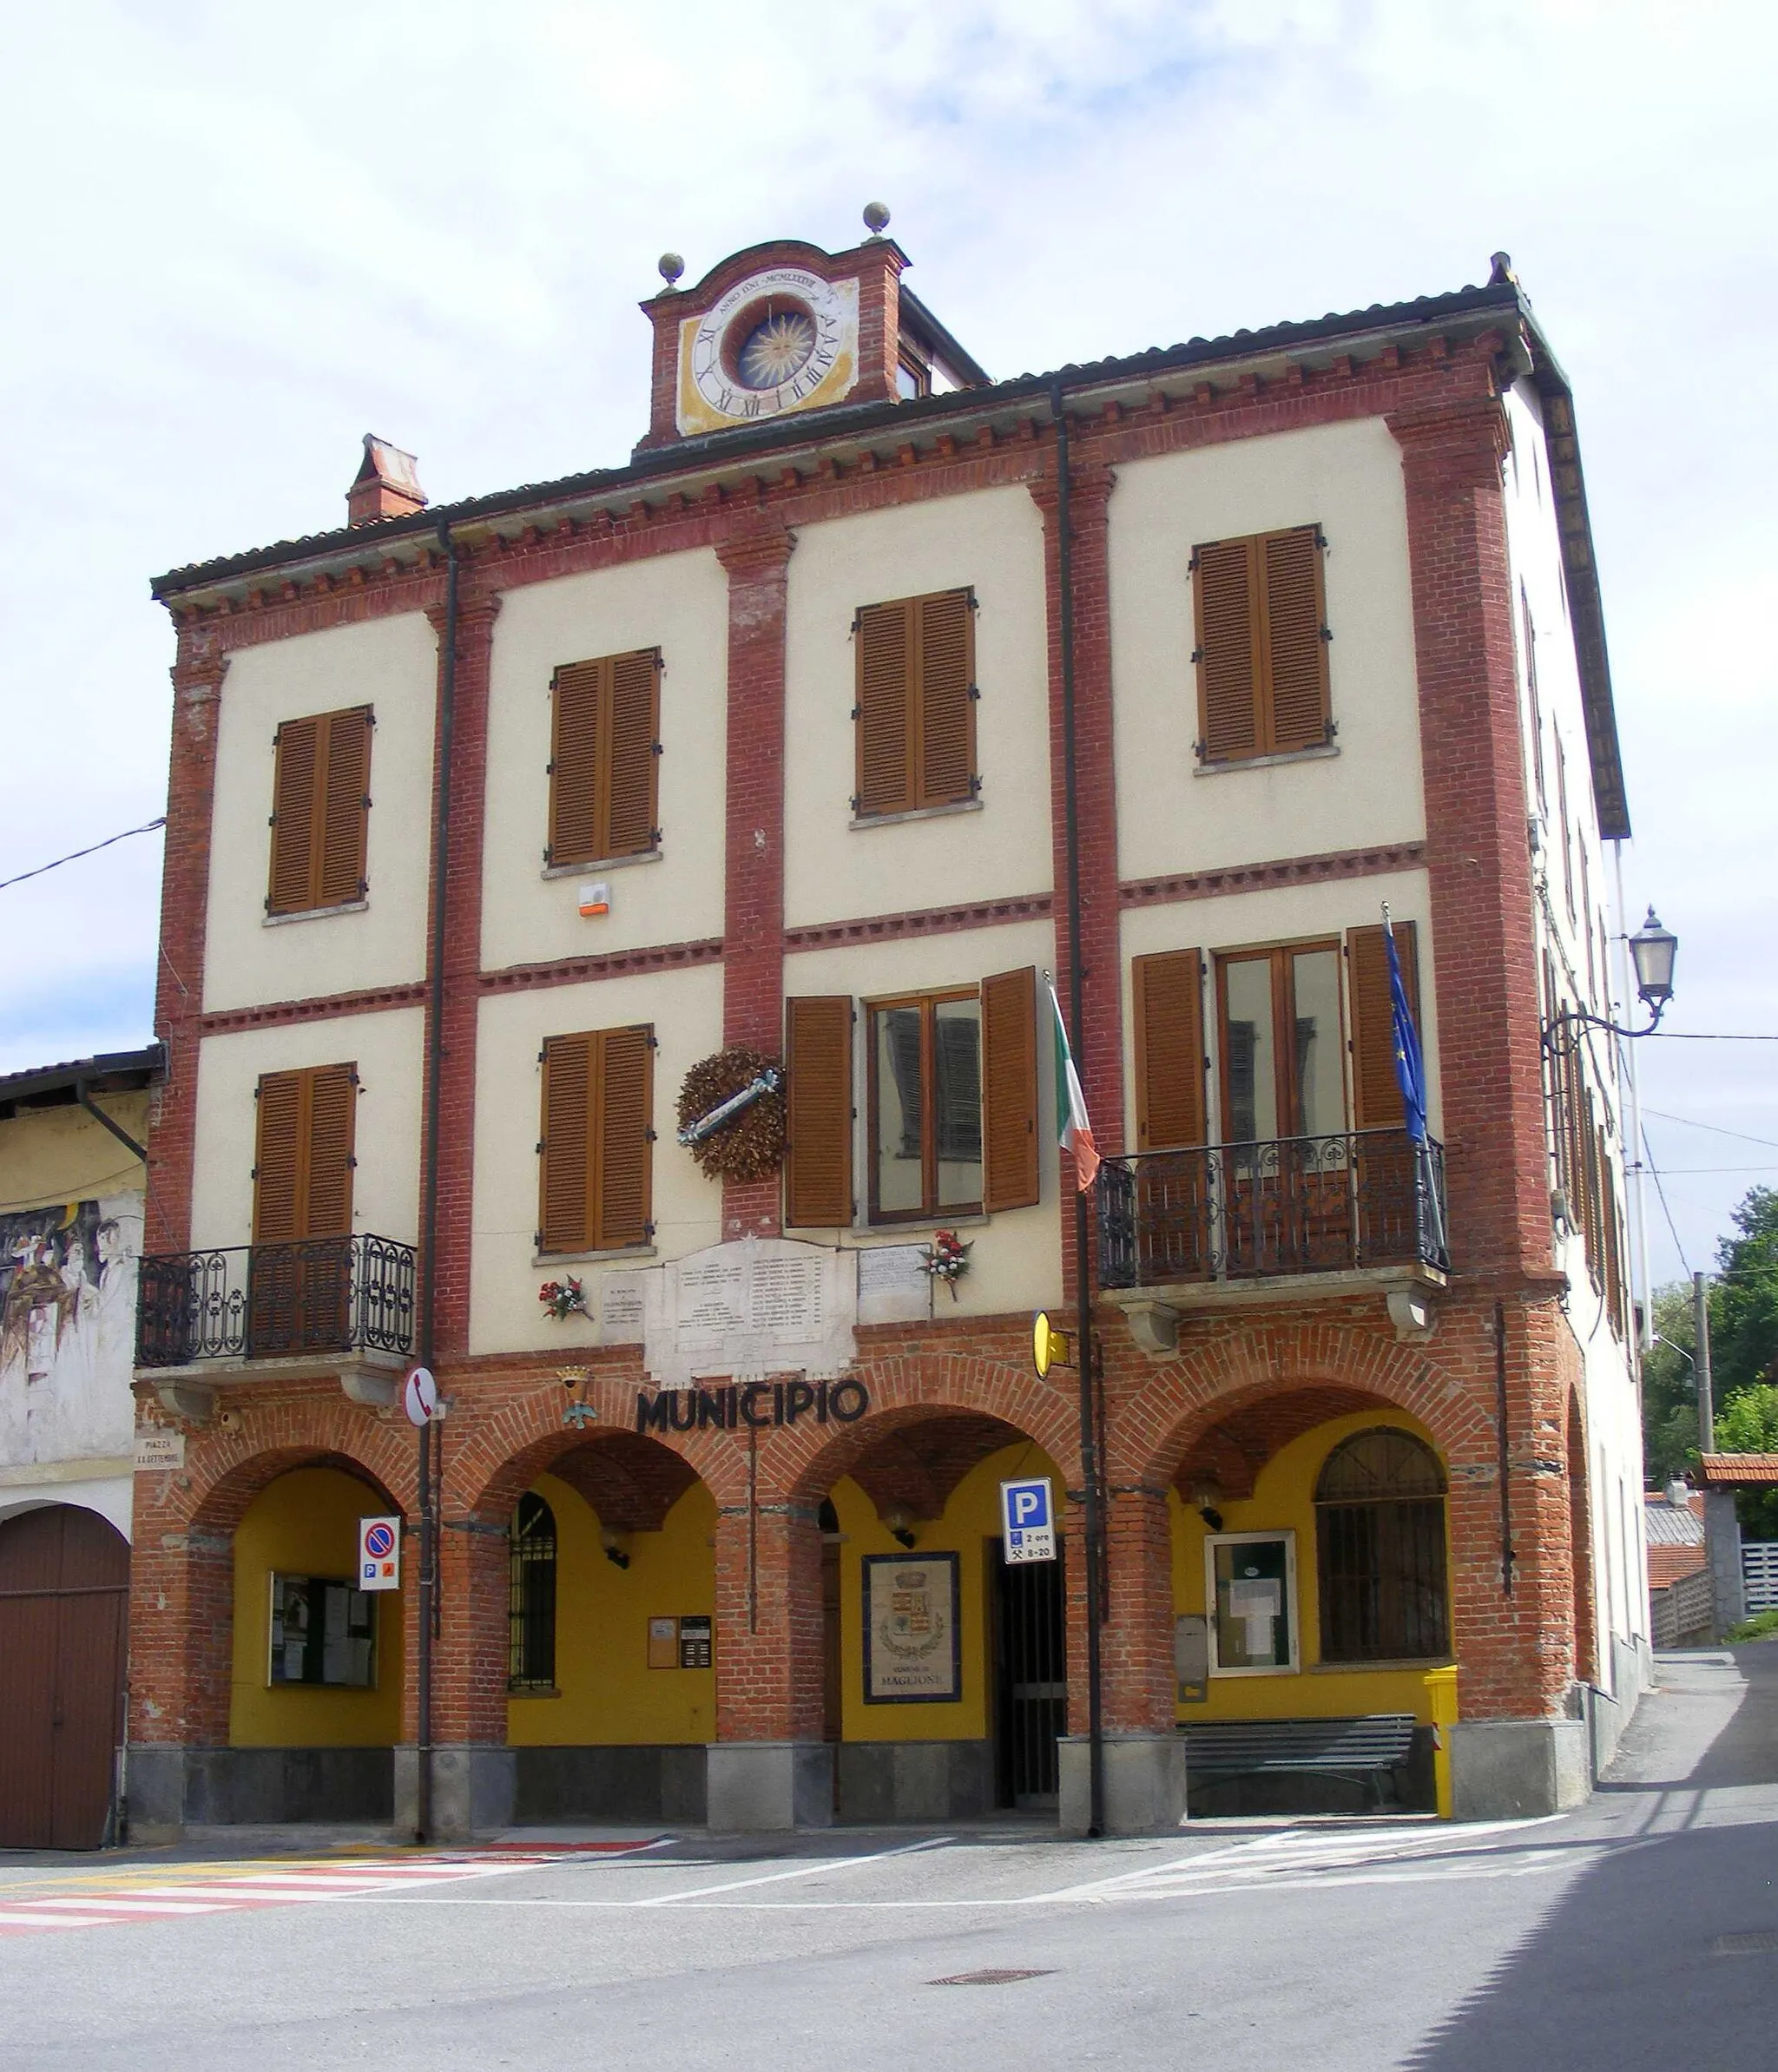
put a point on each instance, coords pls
(346, 812)
(625, 1080)
(634, 728)
(1293, 696)
(1376, 1094)
(294, 807)
(946, 707)
(303, 1155)
(565, 1187)
(1226, 604)
(818, 1066)
(1010, 1089)
(1169, 1049)
(574, 761)
(885, 643)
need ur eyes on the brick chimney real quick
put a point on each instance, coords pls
(384, 486)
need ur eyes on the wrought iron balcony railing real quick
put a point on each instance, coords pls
(323, 1295)
(1296, 1205)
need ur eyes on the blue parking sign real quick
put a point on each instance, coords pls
(1027, 1520)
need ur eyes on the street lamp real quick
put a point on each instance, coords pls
(1652, 950)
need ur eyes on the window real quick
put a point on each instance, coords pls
(1536, 712)
(604, 747)
(595, 1149)
(913, 377)
(952, 1100)
(299, 1275)
(914, 718)
(322, 1631)
(1282, 1072)
(531, 1598)
(1261, 651)
(1379, 1525)
(1250, 1584)
(320, 809)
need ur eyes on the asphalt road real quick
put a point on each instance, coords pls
(1642, 1930)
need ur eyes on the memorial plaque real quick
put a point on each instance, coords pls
(893, 1284)
(742, 1311)
(620, 1310)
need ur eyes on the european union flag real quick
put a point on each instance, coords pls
(1409, 1065)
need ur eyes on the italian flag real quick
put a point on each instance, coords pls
(1076, 1133)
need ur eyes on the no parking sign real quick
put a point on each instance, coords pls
(379, 1554)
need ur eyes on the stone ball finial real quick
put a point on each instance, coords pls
(672, 266)
(876, 218)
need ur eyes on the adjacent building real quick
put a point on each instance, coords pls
(616, 922)
(71, 1175)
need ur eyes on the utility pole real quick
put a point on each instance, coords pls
(1701, 1327)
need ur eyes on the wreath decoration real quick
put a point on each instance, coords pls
(748, 1144)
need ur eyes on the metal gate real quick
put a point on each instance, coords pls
(1759, 1574)
(64, 1584)
(1030, 1678)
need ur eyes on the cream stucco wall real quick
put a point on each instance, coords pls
(1283, 914)
(686, 1010)
(1014, 1259)
(991, 540)
(387, 1051)
(678, 602)
(52, 1154)
(390, 665)
(1348, 479)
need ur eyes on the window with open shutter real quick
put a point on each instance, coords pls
(915, 715)
(1168, 992)
(603, 758)
(1376, 1092)
(1010, 1089)
(596, 1162)
(303, 1158)
(818, 1124)
(1262, 657)
(320, 807)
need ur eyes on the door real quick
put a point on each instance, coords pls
(1030, 1678)
(64, 1581)
(299, 1277)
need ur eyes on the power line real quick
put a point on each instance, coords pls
(147, 827)
(1717, 1127)
(1676, 1170)
(1694, 1036)
(1661, 1193)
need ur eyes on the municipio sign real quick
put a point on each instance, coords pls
(1028, 1520)
(379, 1554)
(420, 1396)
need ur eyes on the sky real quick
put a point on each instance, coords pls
(240, 238)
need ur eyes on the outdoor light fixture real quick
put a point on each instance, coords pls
(1652, 950)
(899, 1525)
(616, 1546)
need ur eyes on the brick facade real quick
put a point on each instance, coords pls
(946, 1393)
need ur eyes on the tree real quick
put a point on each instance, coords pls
(1744, 1300)
(1670, 1389)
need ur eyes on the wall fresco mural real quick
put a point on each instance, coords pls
(68, 1283)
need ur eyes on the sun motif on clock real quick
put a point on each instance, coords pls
(779, 341)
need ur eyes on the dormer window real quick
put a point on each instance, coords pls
(912, 377)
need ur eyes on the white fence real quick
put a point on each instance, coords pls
(1759, 1574)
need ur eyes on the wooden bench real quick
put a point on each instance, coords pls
(1363, 1749)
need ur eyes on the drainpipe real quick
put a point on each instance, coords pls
(1086, 1352)
(429, 1213)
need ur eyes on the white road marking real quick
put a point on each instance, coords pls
(16, 1920)
(840, 1863)
(133, 1906)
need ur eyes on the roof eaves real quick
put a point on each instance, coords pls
(841, 423)
(144, 1066)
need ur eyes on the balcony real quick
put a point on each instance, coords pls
(1225, 1225)
(343, 1306)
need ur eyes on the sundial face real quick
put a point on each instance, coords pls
(779, 341)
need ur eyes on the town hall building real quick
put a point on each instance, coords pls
(610, 931)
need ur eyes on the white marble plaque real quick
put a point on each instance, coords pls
(894, 1287)
(764, 1306)
(620, 1310)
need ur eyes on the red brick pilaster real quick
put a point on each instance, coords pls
(1478, 857)
(185, 893)
(470, 1659)
(1098, 1043)
(181, 1637)
(769, 1660)
(463, 938)
(1136, 1645)
(757, 559)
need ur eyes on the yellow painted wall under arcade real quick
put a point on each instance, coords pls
(1283, 1498)
(305, 1523)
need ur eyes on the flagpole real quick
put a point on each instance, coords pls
(1085, 1352)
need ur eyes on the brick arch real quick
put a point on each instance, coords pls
(503, 1455)
(1155, 1433)
(231, 1467)
(911, 1389)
